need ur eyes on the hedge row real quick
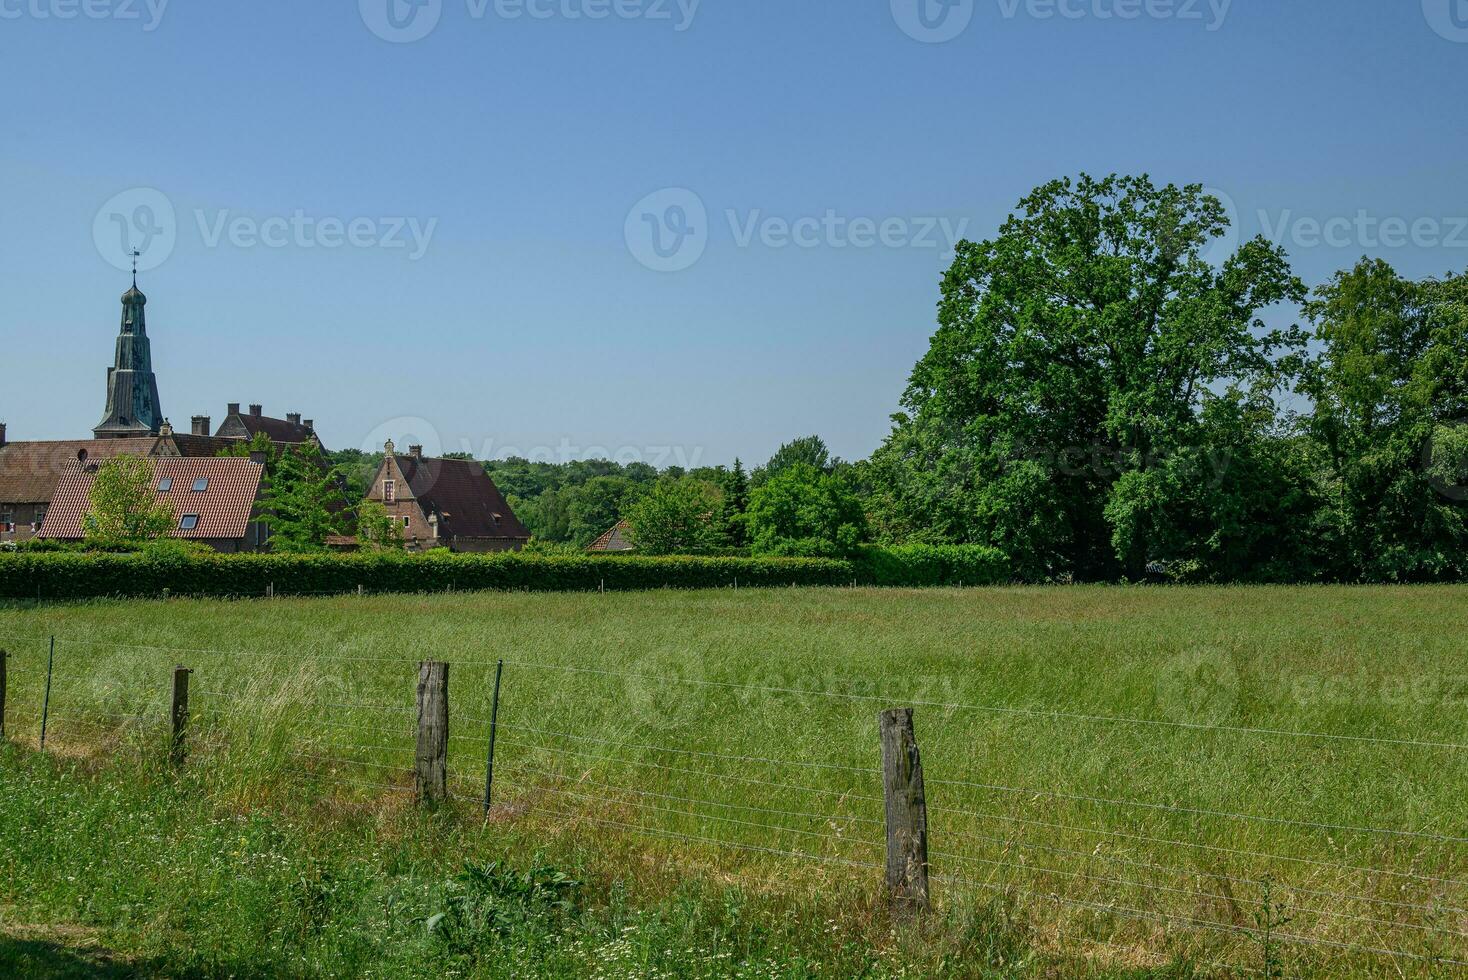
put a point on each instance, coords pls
(82, 575)
(925, 564)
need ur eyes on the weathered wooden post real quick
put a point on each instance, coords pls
(907, 812)
(3, 656)
(177, 746)
(430, 763)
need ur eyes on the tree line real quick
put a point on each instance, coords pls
(1103, 399)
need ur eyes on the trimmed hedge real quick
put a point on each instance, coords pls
(928, 564)
(71, 575)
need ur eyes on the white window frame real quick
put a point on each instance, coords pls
(389, 491)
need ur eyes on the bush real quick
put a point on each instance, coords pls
(150, 573)
(75, 575)
(928, 564)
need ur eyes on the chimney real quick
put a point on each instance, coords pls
(294, 418)
(2, 433)
(201, 425)
(415, 451)
(257, 457)
(257, 410)
(310, 424)
(233, 408)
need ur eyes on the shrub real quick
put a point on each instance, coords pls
(928, 564)
(151, 572)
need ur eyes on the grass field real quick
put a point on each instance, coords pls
(1117, 779)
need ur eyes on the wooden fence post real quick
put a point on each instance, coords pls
(430, 763)
(3, 657)
(178, 746)
(907, 812)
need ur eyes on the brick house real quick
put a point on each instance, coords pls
(214, 501)
(289, 431)
(445, 503)
(31, 471)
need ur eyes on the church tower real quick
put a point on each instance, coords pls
(132, 389)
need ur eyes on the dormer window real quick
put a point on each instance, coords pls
(201, 484)
(165, 484)
(389, 491)
(188, 522)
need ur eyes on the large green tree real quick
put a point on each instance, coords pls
(810, 450)
(677, 516)
(1390, 390)
(802, 511)
(303, 500)
(1069, 408)
(124, 507)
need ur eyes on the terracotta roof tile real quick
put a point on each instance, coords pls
(224, 508)
(30, 471)
(618, 537)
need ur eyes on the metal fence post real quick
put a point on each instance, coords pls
(494, 718)
(907, 812)
(430, 762)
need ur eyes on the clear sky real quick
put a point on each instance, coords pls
(608, 195)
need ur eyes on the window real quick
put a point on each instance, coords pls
(389, 491)
(188, 522)
(40, 517)
(165, 484)
(201, 484)
(407, 523)
(7, 521)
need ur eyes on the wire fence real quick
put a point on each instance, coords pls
(1117, 875)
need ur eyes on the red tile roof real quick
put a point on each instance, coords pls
(224, 509)
(467, 501)
(618, 537)
(29, 471)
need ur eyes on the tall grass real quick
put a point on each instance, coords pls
(732, 736)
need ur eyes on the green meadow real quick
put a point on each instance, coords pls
(1121, 782)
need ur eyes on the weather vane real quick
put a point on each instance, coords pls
(135, 253)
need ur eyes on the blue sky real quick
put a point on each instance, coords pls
(804, 165)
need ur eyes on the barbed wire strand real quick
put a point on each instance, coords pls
(1191, 893)
(1238, 852)
(1197, 811)
(1188, 921)
(1051, 713)
(1099, 855)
